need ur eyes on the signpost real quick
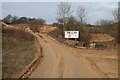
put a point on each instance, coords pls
(71, 34)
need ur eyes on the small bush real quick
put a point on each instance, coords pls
(17, 34)
(35, 25)
(57, 34)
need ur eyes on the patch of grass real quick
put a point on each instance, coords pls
(17, 52)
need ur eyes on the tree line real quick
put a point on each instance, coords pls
(9, 19)
(34, 23)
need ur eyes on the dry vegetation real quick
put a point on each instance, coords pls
(18, 51)
(89, 34)
(69, 22)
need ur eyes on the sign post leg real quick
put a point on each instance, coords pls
(76, 40)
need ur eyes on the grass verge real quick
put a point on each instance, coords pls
(18, 50)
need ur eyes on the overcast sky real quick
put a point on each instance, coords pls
(47, 10)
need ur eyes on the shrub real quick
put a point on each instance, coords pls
(17, 34)
(35, 25)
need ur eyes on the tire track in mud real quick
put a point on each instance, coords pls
(61, 67)
(96, 68)
(92, 64)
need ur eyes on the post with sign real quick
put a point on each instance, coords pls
(72, 34)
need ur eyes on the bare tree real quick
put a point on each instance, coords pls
(105, 25)
(115, 14)
(81, 14)
(64, 12)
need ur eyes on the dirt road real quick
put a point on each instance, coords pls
(60, 61)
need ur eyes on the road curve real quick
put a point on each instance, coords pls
(60, 62)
